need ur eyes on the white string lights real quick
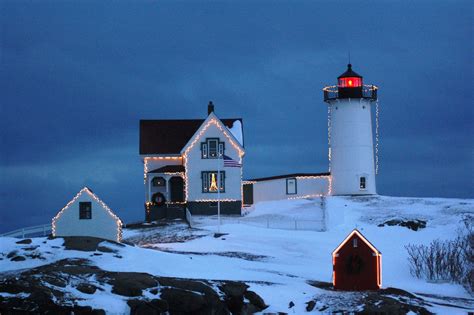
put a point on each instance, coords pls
(154, 158)
(312, 177)
(376, 137)
(329, 137)
(212, 121)
(306, 196)
(97, 199)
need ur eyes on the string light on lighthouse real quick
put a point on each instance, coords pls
(376, 137)
(329, 137)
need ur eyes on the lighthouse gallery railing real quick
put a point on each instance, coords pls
(368, 92)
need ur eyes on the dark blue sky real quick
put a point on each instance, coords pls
(76, 78)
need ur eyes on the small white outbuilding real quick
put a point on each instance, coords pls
(87, 215)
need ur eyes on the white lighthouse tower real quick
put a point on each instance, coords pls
(351, 147)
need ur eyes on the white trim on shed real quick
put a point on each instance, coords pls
(104, 224)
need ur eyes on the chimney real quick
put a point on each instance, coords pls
(210, 108)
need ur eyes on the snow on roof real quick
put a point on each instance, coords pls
(236, 131)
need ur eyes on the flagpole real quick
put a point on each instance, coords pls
(218, 191)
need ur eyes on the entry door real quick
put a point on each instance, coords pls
(248, 194)
(176, 189)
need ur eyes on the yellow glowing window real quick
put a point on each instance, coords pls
(210, 181)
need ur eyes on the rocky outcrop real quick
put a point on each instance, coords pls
(414, 225)
(45, 290)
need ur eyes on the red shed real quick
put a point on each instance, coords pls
(357, 264)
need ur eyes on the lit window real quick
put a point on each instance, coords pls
(85, 210)
(212, 148)
(362, 183)
(210, 181)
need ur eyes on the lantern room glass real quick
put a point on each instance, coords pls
(350, 82)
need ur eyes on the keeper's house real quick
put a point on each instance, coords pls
(182, 160)
(87, 215)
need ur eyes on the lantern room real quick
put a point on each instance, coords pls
(350, 85)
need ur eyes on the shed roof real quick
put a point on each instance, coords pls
(169, 136)
(288, 176)
(362, 237)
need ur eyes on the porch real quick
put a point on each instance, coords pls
(165, 193)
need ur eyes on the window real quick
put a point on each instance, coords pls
(212, 148)
(212, 144)
(158, 182)
(210, 182)
(85, 210)
(291, 186)
(354, 242)
(362, 183)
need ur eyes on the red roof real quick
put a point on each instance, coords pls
(170, 136)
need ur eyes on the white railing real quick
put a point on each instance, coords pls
(265, 222)
(37, 230)
(285, 224)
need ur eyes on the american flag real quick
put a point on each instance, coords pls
(228, 162)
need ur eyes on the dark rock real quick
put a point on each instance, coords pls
(232, 288)
(86, 288)
(85, 310)
(97, 254)
(18, 258)
(55, 280)
(11, 285)
(256, 300)
(117, 256)
(210, 296)
(131, 283)
(182, 300)
(24, 241)
(12, 254)
(106, 249)
(234, 295)
(249, 309)
(310, 306)
(34, 256)
(411, 224)
(160, 304)
(154, 291)
(30, 248)
(82, 243)
(144, 307)
(291, 304)
(321, 284)
(217, 235)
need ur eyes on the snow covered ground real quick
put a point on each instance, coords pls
(277, 263)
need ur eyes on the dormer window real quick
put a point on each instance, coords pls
(212, 148)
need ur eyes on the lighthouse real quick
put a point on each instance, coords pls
(351, 145)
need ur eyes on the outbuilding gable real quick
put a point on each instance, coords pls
(357, 264)
(87, 215)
